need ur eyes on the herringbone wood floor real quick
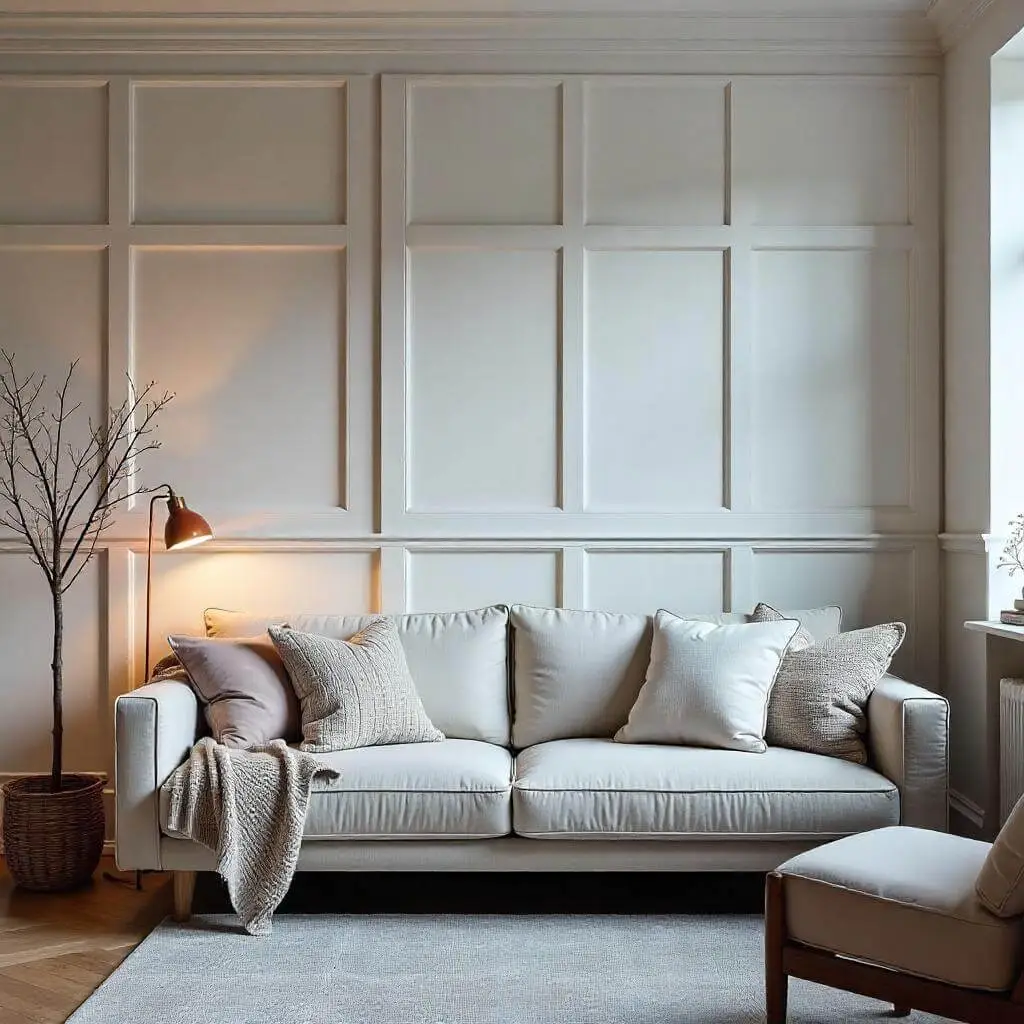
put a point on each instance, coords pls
(55, 949)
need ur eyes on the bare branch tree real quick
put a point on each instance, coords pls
(60, 497)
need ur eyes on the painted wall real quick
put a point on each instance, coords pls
(978, 490)
(615, 341)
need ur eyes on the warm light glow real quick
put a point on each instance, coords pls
(191, 542)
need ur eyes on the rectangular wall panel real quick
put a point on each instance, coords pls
(253, 343)
(642, 581)
(242, 152)
(52, 311)
(814, 151)
(485, 152)
(483, 376)
(832, 375)
(53, 168)
(655, 151)
(440, 581)
(261, 582)
(655, 367)
(871, 586)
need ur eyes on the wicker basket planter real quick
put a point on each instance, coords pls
(52, 840)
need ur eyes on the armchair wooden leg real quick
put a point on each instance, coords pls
(184, 887)
(776, 982)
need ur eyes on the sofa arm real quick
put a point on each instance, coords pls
(155, 727)
(908, 741)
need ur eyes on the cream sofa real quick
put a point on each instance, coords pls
(529, 777)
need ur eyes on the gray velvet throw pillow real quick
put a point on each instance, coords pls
(820, 698)
(354, 693)
(247, 696)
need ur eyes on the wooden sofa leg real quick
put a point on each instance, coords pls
(776, 982)
(184, 887)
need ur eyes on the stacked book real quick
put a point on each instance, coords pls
(1014, 617)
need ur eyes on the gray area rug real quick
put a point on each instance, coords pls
(459, 969)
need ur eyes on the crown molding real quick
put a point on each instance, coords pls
(953, 18)
(895, 31)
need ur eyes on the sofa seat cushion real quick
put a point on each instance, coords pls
(599, 789)
(455, 789)
(903, 898)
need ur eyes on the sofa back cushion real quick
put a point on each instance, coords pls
(458, 660)
(578, 673)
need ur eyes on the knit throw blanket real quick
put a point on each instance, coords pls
(249, 808)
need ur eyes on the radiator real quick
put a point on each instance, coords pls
(1011, 745)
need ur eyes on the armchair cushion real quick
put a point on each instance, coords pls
(902, 898)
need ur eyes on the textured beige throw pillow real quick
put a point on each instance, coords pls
(819, 702)
(708, 685)
(354, 693)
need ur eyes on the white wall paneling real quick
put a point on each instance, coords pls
(645, 339)
(746, 341)
(250, 237)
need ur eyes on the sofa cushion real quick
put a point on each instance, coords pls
(599, 789)
(903, 898)
(578, 673)
(455, 789)
(458, 660)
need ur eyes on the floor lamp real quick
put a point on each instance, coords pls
(183, 529)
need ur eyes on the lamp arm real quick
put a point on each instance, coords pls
(157, 495)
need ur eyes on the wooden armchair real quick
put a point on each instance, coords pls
(923, 920)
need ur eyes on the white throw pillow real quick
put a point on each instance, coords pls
(708, 685)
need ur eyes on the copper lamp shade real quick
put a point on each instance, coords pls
(184, 528)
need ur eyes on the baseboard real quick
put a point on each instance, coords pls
(967, 809)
